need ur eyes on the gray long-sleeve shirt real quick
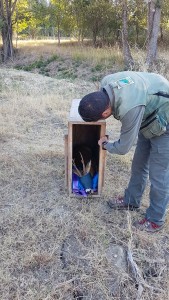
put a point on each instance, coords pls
(131, 123)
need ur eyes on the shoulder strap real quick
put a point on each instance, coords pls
(162, 94)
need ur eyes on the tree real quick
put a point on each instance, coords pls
(58, 14)
(21, 17)
(40, 15)
(137, 22)
(32, 17)
(78, 9)
(164, 24)
(128, 60)
(7, 8)
(154, 16)
(98, 18)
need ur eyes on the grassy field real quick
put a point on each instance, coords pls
(73, 61)
(53, 246)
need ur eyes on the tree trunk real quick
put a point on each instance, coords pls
(161, 33)
(128, 60)
(137, 33)
(6, 11)
(154, 16)
(58, 34)
(94, 38)
(7, 42)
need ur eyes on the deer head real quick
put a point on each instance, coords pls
(85, 170)
(82, 170)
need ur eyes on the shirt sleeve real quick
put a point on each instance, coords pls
(131, 123)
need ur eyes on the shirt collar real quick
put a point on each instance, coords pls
(107, 88)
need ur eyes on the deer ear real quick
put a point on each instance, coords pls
(77, 173)
(76, 170)
(88, 167)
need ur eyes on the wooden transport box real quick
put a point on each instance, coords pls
(80, 133)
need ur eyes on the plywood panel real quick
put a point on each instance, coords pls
(66, 159)
(102, 161)
(70, 158)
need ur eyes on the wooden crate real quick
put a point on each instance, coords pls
(81, 132)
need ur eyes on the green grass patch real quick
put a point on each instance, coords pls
(67, 74)
(98, 68)
(39, 64)
(96, 78)
(62, 68)
(78, 58)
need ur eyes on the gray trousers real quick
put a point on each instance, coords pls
(151, 159)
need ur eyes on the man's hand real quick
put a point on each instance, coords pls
(103, 139)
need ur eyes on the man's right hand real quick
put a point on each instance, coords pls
(103, 139)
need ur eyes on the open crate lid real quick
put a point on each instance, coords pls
(74, 115)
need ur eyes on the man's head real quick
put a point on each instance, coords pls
(95, 106)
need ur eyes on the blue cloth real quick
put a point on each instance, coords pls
(78, 188)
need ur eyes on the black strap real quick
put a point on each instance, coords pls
(149, 119)
(162, 94)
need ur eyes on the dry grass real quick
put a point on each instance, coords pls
(70, 60)
(38, 218)
(71, 48)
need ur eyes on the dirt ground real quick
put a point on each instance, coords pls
(39, 219)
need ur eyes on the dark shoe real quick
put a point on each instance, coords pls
(145, 225)
(120, 205)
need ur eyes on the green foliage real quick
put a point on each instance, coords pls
(97, 68)
(96, 78)
(67, 74)
(77, 59)
(165, 15)
(39, 64)
(78, 8)
(99, 20)
(159, 3)
(59, 16)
